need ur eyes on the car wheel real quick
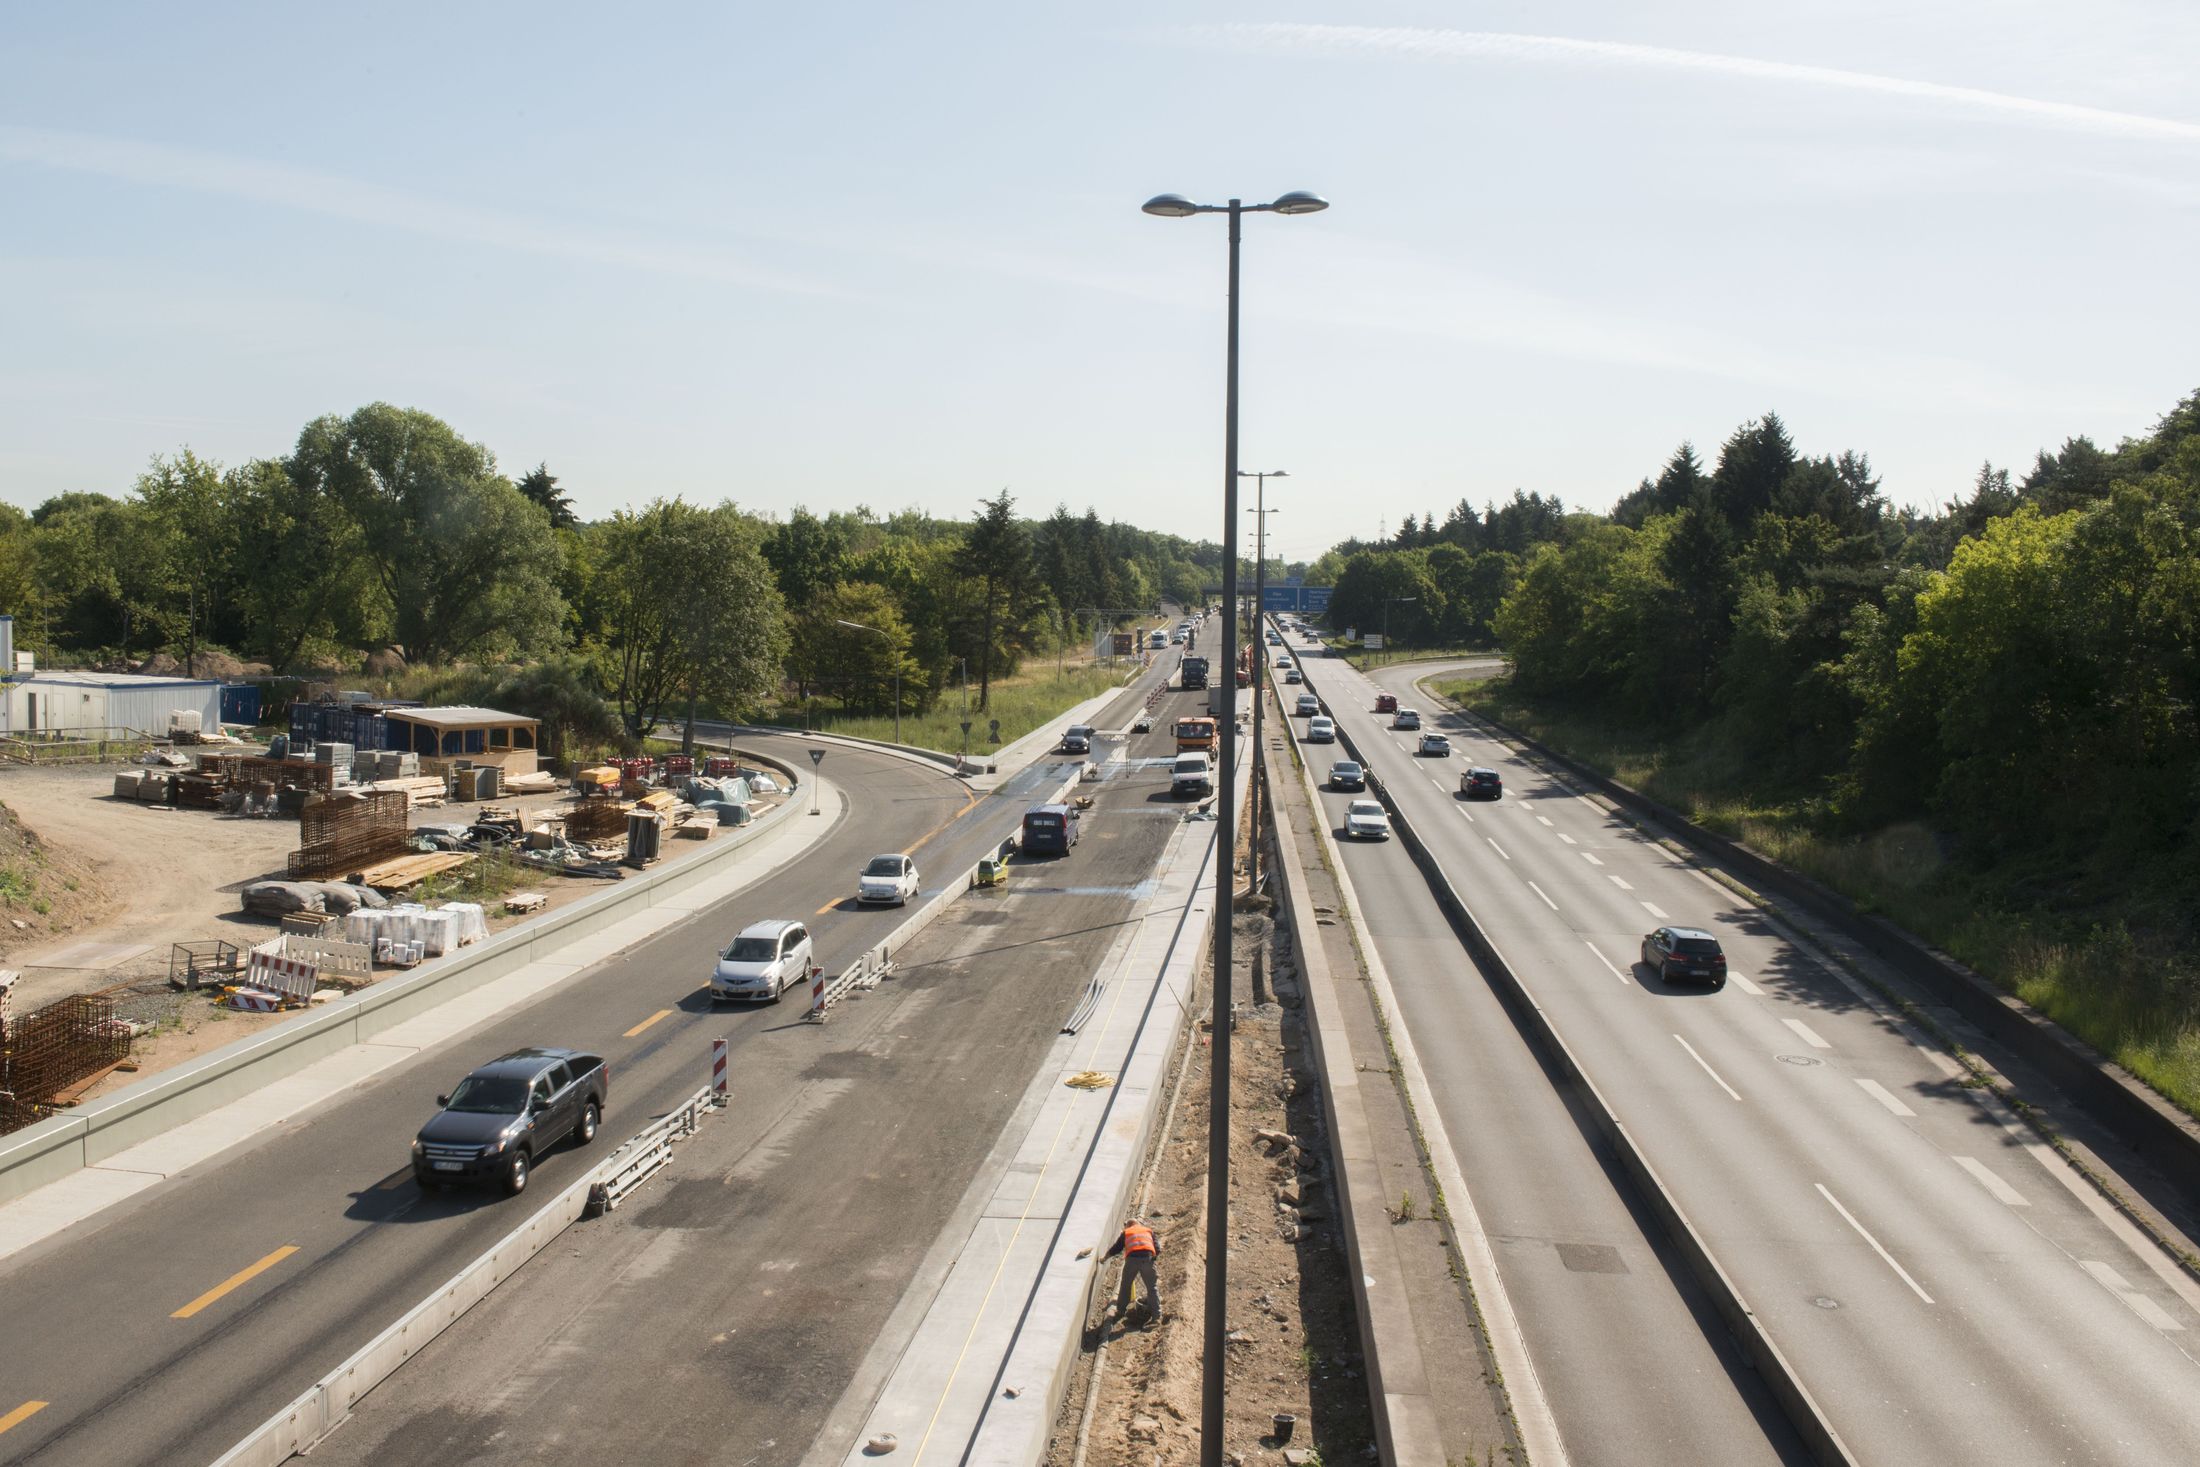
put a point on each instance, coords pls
(585, 1131)
(515, 1174)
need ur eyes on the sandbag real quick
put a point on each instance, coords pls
(281, 898)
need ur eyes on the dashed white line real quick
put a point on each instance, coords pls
(1591, 859)
(1607, 962)
(2138, 1303)
(1622, 883)
(1745, 985)
(1497, 848)
(1850, 1219)
(1568, 839)
(1547, 821)
(1546, 900)
(1656, 911)
(2001, 1190)
(1884, 1096)
(1470, 816)
(1714, 1074)
(1806, 1033)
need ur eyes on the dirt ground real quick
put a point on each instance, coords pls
(119, 881)
(1293, 1335)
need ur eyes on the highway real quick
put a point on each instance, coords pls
(1944, 1286)
(165, 1328)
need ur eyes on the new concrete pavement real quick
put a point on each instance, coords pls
(1947, 1289)
(163, 1329)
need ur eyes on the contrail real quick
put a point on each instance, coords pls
(284, 186)
(1446, 45)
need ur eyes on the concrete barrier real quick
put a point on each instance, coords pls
(90, 1133)
(2150, 1125)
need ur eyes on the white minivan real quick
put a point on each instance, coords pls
(762, 962)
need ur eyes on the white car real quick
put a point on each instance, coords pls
(1435, 745)
(1309, 705)
(888, 879)
(1405, 718)
(1365, 820)
(1321, 730)
(763, 962)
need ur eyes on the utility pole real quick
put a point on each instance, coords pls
(1260, 513)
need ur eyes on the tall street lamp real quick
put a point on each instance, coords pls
(1387, 604)
(891, 651)
(1260, 514)
(1176, 206)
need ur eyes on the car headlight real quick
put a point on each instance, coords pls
(416, 1146)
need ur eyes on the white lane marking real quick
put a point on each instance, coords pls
(1546, 900)
(1746, 986)
(1622, 883)
(1656, 911)
(1808, 1036)
(1607, 962)
(1885, 1097)
(1497, 848)
(2139, 1303)
(2001, 1190)
(1553, 824)
(1850, 1218)
(1568, 839)
(1592, 860)
(1469, 814)
(1714, 1074)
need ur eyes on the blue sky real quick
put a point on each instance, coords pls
(892, 255)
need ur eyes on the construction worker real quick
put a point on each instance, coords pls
(1139, 1248)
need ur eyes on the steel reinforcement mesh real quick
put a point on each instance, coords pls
(46, 1050)
(344, 833)
(596, 820)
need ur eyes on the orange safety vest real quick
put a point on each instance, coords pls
(1138, 1239)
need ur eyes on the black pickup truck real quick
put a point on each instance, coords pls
(506, 1114)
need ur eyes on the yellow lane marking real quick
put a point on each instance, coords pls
(240, 1277)
(21, 1414)
(638, 1028)
(829, 906)
(970, 802)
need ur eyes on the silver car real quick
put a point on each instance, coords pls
(1365, 820)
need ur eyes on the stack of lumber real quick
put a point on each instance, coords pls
(421, 791)
(400, 872)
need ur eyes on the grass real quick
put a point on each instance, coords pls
(1021, 703)
(2097, 951)
(487, 879)
(18, 885)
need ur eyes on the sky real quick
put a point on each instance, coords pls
(892, 255)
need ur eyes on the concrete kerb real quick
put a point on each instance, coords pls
(2152, 1126)
(55, 1148)
(1025, 1229)
(1780, 1378)
(1406, 1426)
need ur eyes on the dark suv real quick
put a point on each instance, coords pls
(1685, 952)
(508, 1113)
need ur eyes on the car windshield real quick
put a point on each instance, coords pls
(752, 950)
(1366, 807)
(883, 866)
(1699, 947)
(1082, 731)
(1346, 769)
(499, 1095)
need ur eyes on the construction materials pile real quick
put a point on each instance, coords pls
(344, 833)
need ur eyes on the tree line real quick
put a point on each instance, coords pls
(386, 532)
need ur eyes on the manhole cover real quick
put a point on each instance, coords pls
(1824, 1303)
(1804, 1060)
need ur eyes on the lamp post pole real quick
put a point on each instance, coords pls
(893, 652)
(1216, 1295)
(1260, 513)
(1387, 604)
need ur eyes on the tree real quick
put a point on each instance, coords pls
(808, 555)
(1753, 464)
(541, 487)
(859, 667)
(466, 563)
(996, 557)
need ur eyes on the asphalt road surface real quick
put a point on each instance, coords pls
(1944, 1286)
(313, 1238)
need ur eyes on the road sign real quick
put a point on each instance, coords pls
(993, 729)
(817, 757)
(1373, 642)
(966, 728)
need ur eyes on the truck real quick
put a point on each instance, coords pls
(1193, 672)
(1196, 732)
(1157, 638)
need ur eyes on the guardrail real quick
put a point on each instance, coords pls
(1780, 1377)
(90, 1133)
(322, 1407)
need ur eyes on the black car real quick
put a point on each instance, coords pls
(1078, 740)
(506, 1114)
(1346, 774)
(1685, 952)
(1482, 784)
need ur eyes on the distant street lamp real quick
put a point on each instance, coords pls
(895, 653)
(1176, 206)
(1387, 604)
(1260, 514)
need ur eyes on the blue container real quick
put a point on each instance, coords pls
(241, 703)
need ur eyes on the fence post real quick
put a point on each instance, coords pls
(718, 1054)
